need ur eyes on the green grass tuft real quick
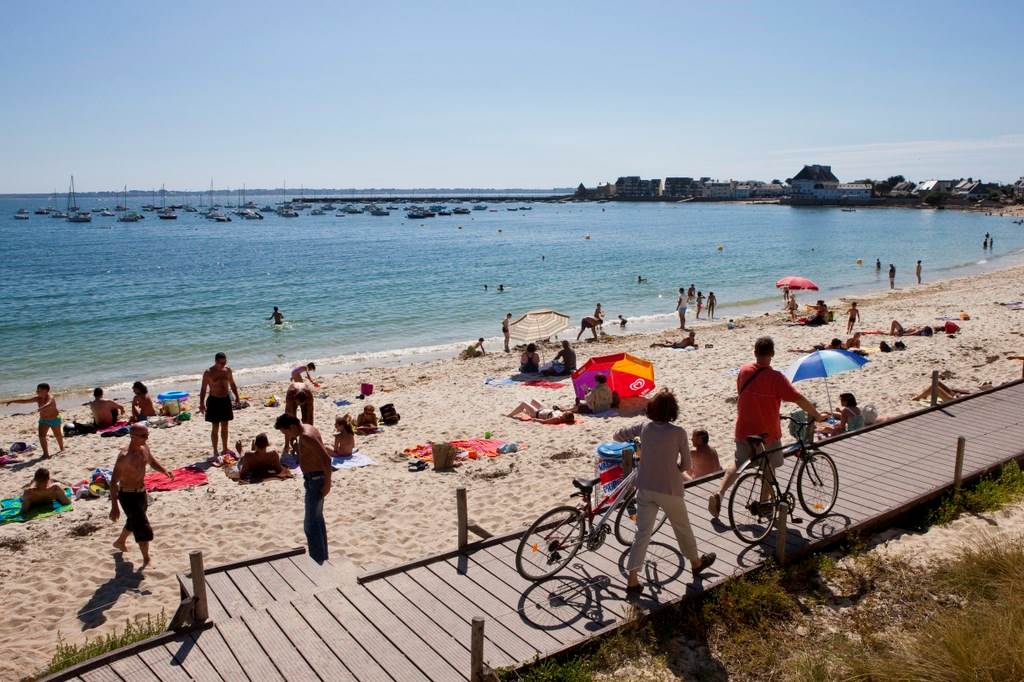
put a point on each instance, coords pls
(988, 495)
(69, 654)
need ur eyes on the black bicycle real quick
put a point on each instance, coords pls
(756, 495)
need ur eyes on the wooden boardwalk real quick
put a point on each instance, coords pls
(284, 617)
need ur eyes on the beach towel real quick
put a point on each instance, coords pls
(342, 403)
(10, 510)
(474, 448)
(500, 382)
(112, 428)
(541, 383)
(290, 461)
(353, 461)
(185, 477)
(527, 418)
(7, 459)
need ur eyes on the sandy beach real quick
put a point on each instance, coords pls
(64, 577)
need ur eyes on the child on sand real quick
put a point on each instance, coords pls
(127, 486)
(852, 317)
(791, 307)
(366, 422)
(344, 435)
(42, 491)
(49, 417)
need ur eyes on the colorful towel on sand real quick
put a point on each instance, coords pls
(112, 428)
(543, 383)
(7, 459)
(185, 477)
(474, 447)
(10, 510)
(353, 461)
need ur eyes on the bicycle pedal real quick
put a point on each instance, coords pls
(797, 519)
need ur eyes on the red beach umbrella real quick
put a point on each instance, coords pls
(796, 283)
(627, 375)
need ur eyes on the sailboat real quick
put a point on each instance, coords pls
(165, 213)
(128, 216)
(74, 215)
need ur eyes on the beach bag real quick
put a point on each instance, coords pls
(884, 347)
(389, 415)
(870, 414)
(443, 455)
(804, 431)
(366, 389)
(952, 327)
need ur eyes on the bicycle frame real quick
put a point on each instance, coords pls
(760, 460)
(609, 504)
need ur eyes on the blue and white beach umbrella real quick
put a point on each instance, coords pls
(822, 364)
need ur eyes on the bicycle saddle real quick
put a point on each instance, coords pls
(755, 440)
(585, 484)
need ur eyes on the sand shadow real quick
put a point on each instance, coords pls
(125, 579)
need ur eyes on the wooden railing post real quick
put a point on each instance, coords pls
(476, 651)
(201, 611)
(935, 387)
(460, 503)
(781, 516)
(958, 471)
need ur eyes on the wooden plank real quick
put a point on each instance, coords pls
(450, 621)
(291, 574)
(217, 652)
(278, 647)
(273, 583)
(431, 663)
(438, 639)
(349, 651)
(262, 558)
(389, 656)
(308, 643)
(104, 674)
(251, 588)
(233, 601)
(186, 655)
(159, 660)
(254, 660)
(132, 668)
(325, 575)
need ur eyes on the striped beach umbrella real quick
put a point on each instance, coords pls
(627, 375)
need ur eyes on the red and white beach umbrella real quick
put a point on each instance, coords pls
(796, 283)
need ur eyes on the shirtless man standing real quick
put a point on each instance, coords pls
(277, 316)
(42, 491)
(128, 487)
(315, 463)
(505, 331)
(218, 380)
(104, 412)
(49, 417)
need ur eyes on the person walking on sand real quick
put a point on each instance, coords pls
(852, 317)
(760, 390)
(681, 308)
(666, 455)
(892, 276)
(218, 381)
(917, 271)
(505, 331)
(277, 316)
(49, 417)
(127, 486)
(700, 303)
(315, 463)
(712, 302)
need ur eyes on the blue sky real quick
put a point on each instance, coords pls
(517, 95)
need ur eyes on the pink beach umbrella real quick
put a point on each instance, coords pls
(796, 283)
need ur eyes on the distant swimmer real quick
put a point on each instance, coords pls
(917, 270)
(892, 276)
(277, 316)
(485, 287)
(622, 321)
(501, 287)
(878, 264)
(641, 280)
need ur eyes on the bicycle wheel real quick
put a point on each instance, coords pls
(550, 543)
(817, 484)
(625, 521)
(751, 518)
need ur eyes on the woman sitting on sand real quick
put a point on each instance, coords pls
(260, 462)
(820, 315)
(344, 436)
(529, 362)
(366, 422)
(666, 454)
(850, 417)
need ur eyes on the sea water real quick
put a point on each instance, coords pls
(104, 303)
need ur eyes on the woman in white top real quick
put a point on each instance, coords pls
(681, 307)
(665, 454)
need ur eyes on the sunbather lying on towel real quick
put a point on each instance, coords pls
(897, 329)
(690, 340)
(834, 344)
(534, 411)
(42, 491)
(260, 462)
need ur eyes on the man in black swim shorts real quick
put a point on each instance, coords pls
(220, 383)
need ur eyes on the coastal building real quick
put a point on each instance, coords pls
(970, 189)
(632, 187)
(817, 185)
(680, 188)
(720, 191)
(903, 189)
(929, 186)
(1018, 189)
(768, 190)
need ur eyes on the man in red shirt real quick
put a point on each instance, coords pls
(761, 391)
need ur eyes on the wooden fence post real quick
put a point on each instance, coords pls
(781, 516)
(460, 503)
(476, 651)
(201, 612)
(958, 471)
(935, 387)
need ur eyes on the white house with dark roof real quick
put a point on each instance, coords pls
(816, 184)
(1018, 189)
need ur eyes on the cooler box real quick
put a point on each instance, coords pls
(609, 466)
